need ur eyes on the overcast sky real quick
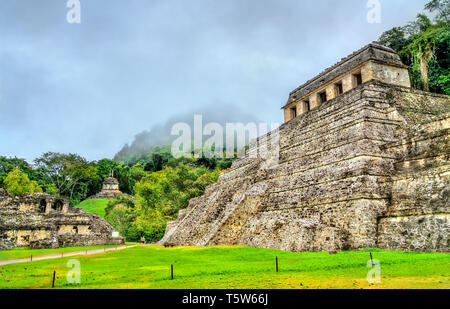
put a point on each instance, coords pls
(89, 88)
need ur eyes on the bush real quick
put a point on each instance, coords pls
(121, 215)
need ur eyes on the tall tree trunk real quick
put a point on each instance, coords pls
(424, 73)
(425, 55)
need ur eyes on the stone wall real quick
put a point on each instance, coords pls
(371, 52)
(31, 220)
(372, 62)
(367, 169)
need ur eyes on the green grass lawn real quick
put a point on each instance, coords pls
(234, 267)
(94, 206)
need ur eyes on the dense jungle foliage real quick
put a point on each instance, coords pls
(424, 45)
(157, 186)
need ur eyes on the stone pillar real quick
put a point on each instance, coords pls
(331, 92)
(348, 82)
(314, 101)
(48, 206)
(367, 72)
(65, 207)
(287, 114)
(301, 108)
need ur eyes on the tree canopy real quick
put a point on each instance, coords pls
(424, 46)
(17, 183)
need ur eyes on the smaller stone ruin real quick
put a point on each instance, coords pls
(43, 221)
(110, 188)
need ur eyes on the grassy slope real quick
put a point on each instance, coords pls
(234, 267)
(94, 206)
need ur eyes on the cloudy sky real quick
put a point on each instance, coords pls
(89, 88)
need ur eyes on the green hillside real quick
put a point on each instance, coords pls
(94, 206)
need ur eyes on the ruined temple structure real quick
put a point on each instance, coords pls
(362, 162)
(45, 221)
(110, 188)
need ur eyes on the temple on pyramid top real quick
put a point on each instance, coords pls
(372, 62)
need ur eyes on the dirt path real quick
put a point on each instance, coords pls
(63, 255)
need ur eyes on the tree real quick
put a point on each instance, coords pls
(74, 177)
(9, 164)
(420, 47)
(120, 213)
(18, 183)
(160, 195)
(121, 218)
(394, 38)
(105, 166)
(424, 45)
(444, 80)
(52, 189)
(442, 7)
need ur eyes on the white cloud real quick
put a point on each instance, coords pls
(89, 88)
